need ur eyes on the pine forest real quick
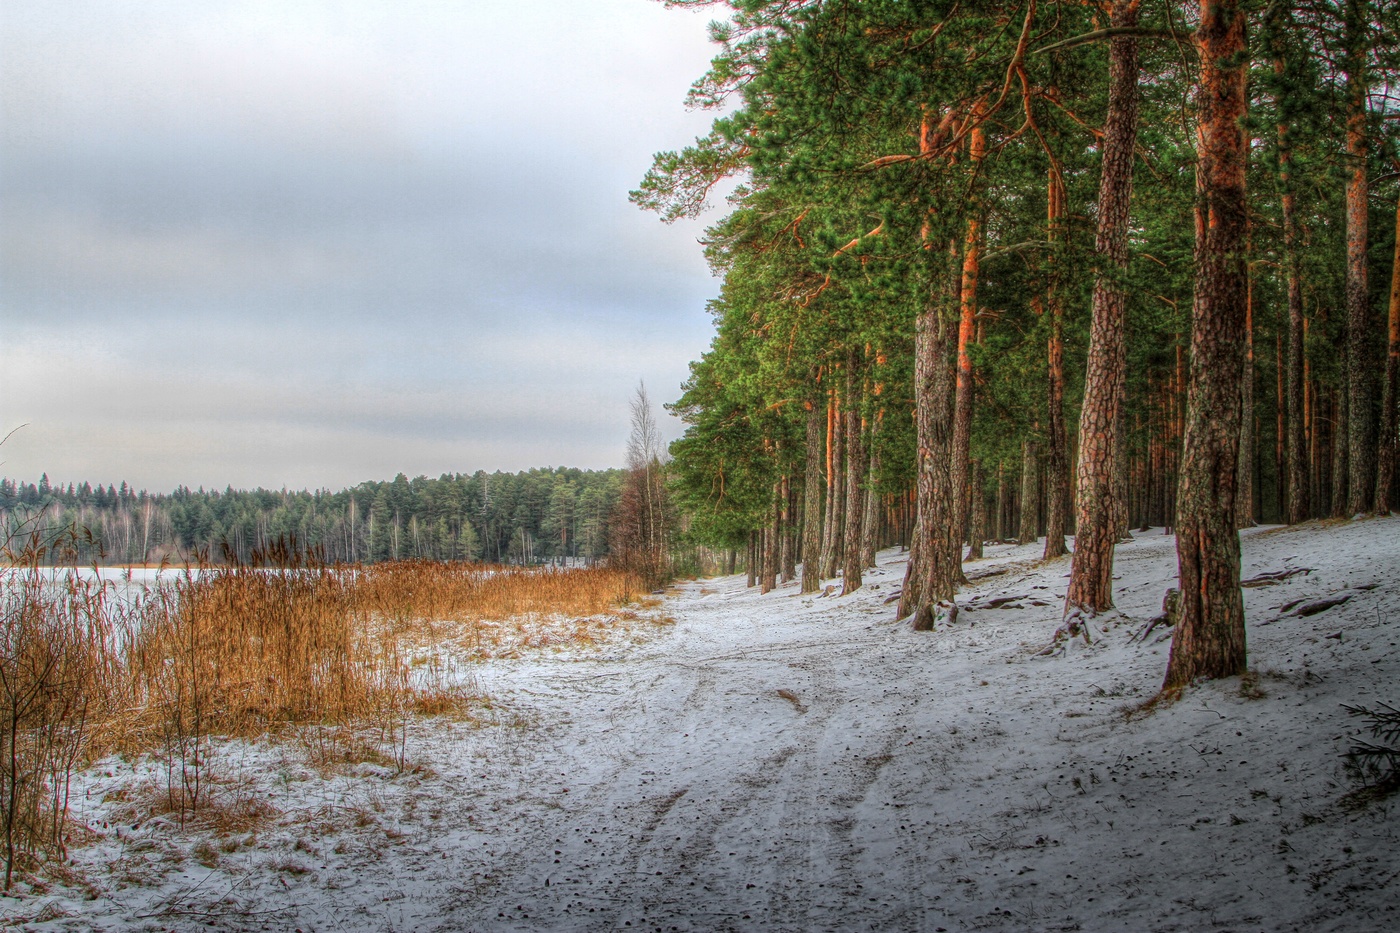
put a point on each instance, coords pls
(1011, 271)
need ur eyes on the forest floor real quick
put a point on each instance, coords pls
(804, 763)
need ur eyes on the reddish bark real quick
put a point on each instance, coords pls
(929, 580)
(1096, 526)
(1209, 639)
(967, 322)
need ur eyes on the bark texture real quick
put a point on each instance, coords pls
(1096, 525)
(929, 580)
(1360, 427)
(1209, 638)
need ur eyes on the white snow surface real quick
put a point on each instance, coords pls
(951, 780)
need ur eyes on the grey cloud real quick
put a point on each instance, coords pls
(402, 221)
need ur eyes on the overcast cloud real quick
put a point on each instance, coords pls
(307, 244)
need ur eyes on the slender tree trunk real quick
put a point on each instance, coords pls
(812, 500)
(1002, 504)
(1390, 395)
(967, 322)
(1030, 485)
(836, 501)
(870, 524)
(1244, 479)
(752, 560)
(977, 524)
(1057, 461)
(1096, 526)
(787, 547)
(1278, 22)
(855, 476)
(1340, 446)
(1360, 425)
(1209, 638)
(771, 534)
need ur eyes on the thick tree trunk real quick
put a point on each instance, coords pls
(1390, 395)
(1209, 638)
(855, 477)
(1360, 435)
(930, 581)
(812, 500)
(1096, 525)
(1030, 486)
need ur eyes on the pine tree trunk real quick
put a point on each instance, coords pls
(855, 476)
(929, 581)
(1209, 638)
(787, 550)
(1096, 531)
(1244, 479)
(1299, 493)
(967, 321)
(1361, 481)
(751, 563)
(1057, 461)
(1120, 471)
(1390, 394)
(836, 501)
(1002, 504)
(769, 580)
(870, 523)
(977, 523)
(1030, 484)
(1340, 444)
(812, 500)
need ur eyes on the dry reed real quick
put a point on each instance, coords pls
(332, 654)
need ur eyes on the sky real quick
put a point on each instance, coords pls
(307, 244)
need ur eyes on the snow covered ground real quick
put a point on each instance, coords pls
(788, 762)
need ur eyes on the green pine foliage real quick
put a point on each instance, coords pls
(829, 246)
(530, 517)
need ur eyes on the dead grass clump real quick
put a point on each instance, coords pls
(342, 658)
(52, 659)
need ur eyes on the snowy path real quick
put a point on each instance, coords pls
(797, 763)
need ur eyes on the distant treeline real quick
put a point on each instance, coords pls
(530, 517)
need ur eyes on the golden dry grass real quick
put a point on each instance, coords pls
(339, 657)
